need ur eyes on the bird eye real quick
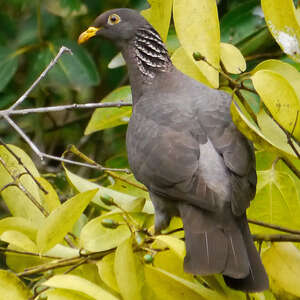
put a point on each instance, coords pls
(113, 19)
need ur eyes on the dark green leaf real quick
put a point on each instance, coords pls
(8, 66)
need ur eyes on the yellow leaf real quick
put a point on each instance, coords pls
(50, 201)
(126, 271)
(260, 140)
(280, 98)
(282, 262)
(186, 65)
(96, 237)
(61, 220)
(283, 24)
(232, 59)
(175, 244)
(168, 286)
(19, 224)
(19, 240)
(12, 288)
(61, 294)
(159, 16)
(17, 202)
(79, 284)
(284, 69)
(197, 27)
(106, 271)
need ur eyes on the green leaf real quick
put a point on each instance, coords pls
(276, 200)
(79, 284)
(17, 202)
(66, 11)
(106, 271)
(185, 63)
(127, 202)
(282, 262)
(197, 27)
(60, 294)
(159, 16)
(61, 220)
(95, 237)
(11, 287)
(19, 224)
(282, 22)
(242, 22)
(127, 275)
(8, 66)
(232, 58)
(104, 118)
(175, 244)
(168, 286)
(280, 98)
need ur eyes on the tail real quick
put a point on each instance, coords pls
(222, 244)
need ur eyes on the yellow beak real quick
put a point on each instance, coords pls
(90, 32)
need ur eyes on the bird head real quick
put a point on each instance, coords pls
(117, 25)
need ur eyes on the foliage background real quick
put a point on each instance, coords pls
(31, 33)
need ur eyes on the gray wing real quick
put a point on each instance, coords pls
(199, 158)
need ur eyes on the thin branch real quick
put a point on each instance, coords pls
(65, 107)
(272, 226)
(6, 250)
(291, 166)
(277, 237)
(62, 50)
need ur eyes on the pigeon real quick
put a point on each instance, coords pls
(184, 147)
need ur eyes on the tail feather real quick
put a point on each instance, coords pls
(218, 244)
(257, 280)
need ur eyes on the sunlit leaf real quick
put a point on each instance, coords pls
(106, 271)
(197, 27)
(61, 220)
(17, 202)
(19, 224)
(168, 261)
(276, 200)
(185, 63)
(50, 201)
(159, 16)
(168, 286)
(11, 287)
(253, 133)
(282, 262)
(19, 240)
(96, 237)
(286, 70)
(282, 22)
(127, 275)
(280, 98)
(8, 66)
(61, 294)
(104, 118)
(232, 59)
(127, 202)
(175, 244)
(79, 284)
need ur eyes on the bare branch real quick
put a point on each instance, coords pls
(49, 67)
(277, 238)
(272, 226)
(66, 107)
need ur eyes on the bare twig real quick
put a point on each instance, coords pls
(272, 226)
(277, 238)
(65, 107)
(49, 67)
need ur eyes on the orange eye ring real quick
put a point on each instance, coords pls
(113, 19)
